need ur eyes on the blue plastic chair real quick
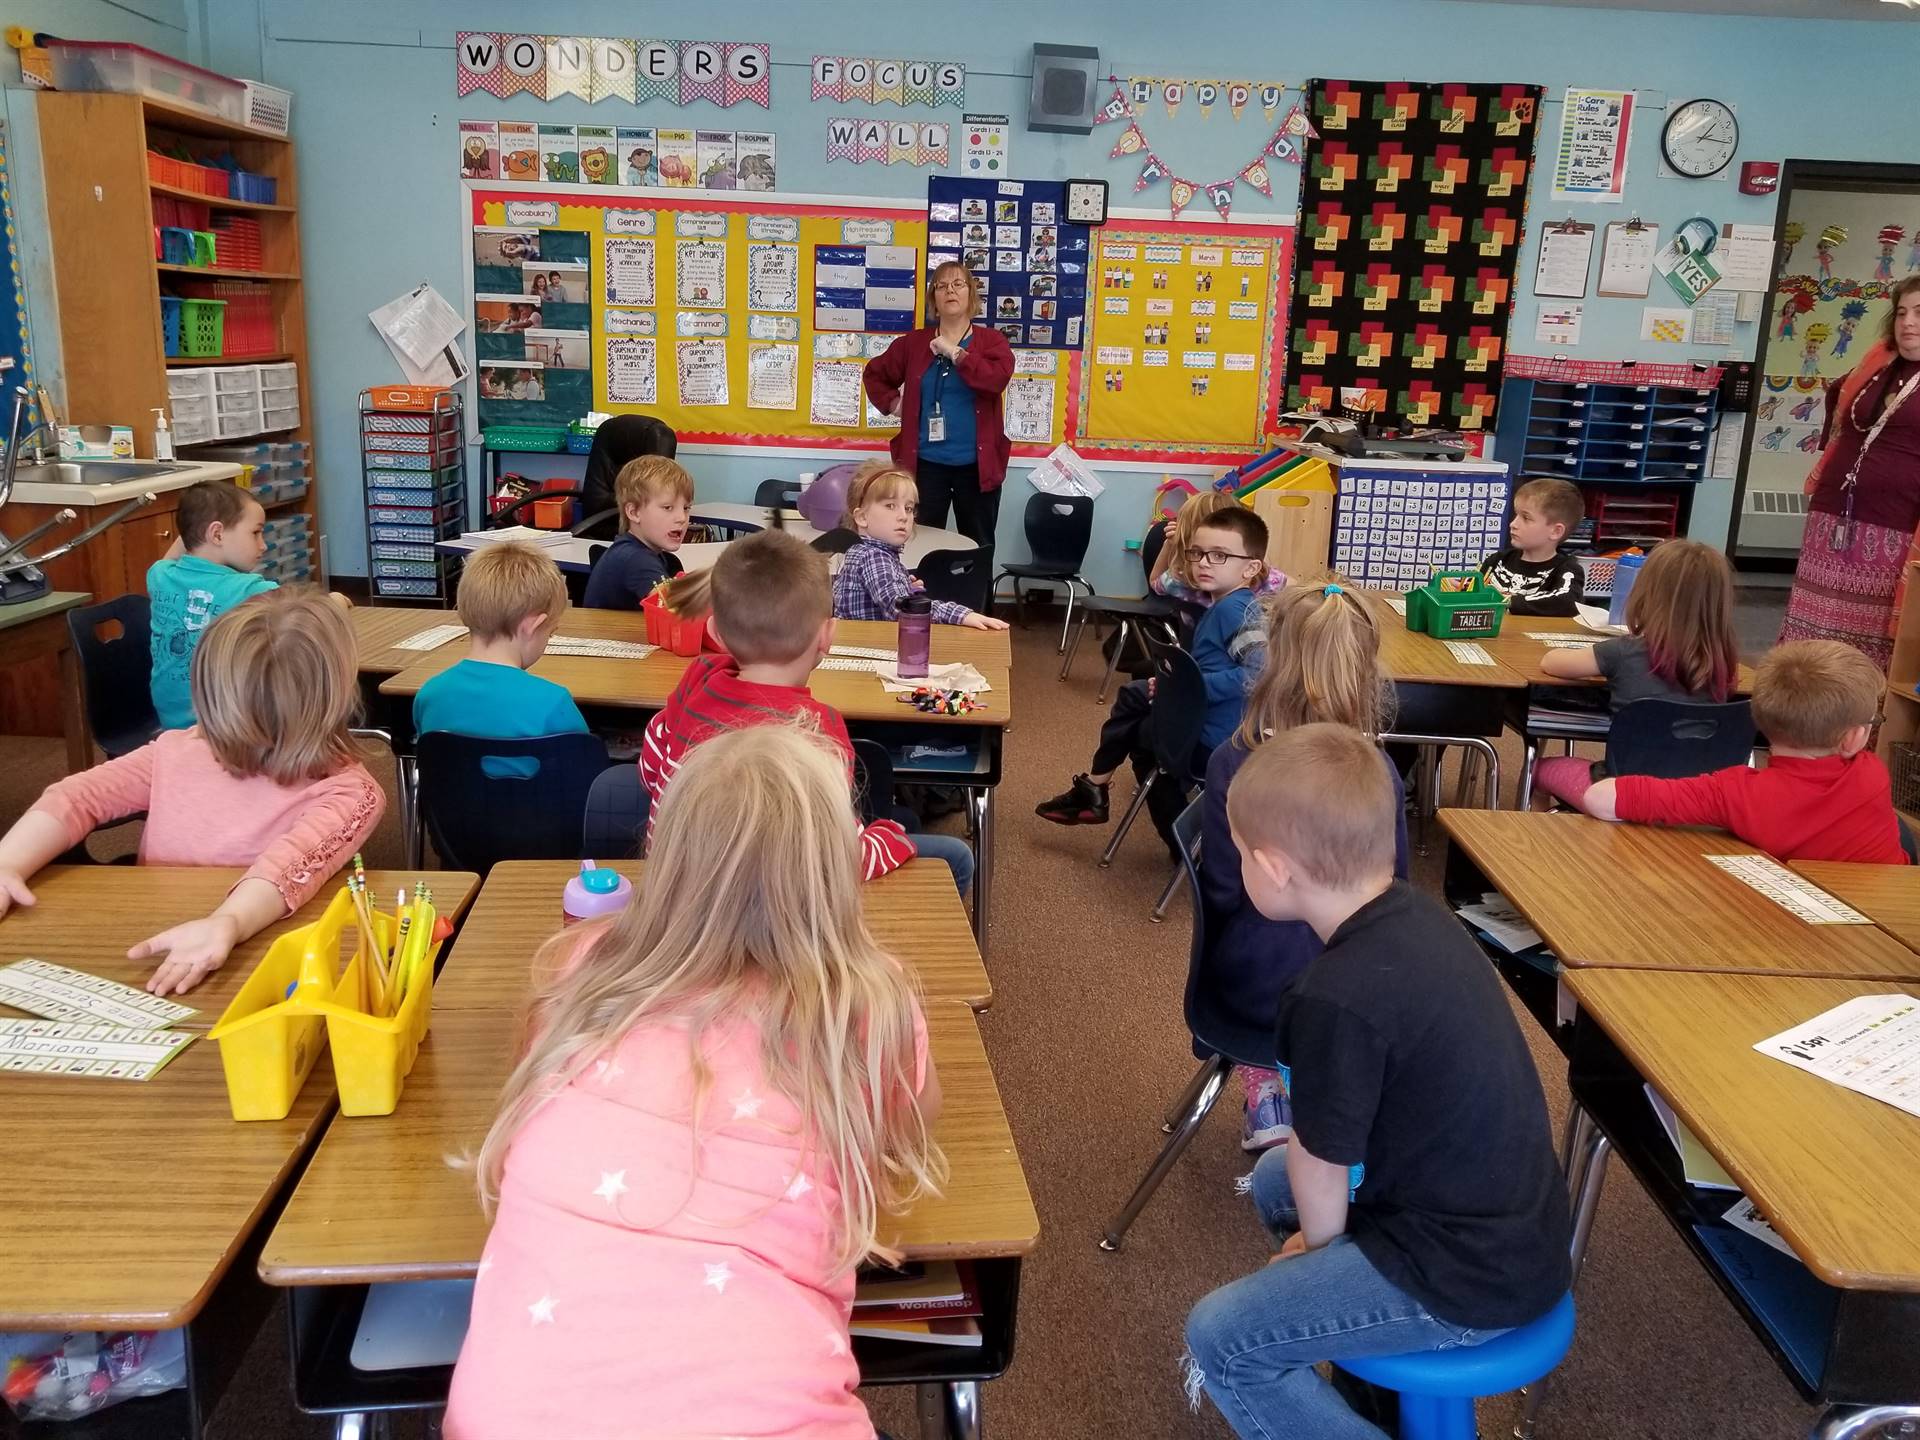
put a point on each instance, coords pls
(1437, 1388)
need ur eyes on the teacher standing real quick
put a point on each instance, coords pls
(944, 381)
(1865, 493)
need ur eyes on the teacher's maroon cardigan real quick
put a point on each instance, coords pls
(986, 365)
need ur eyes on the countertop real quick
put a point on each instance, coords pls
(81, 497)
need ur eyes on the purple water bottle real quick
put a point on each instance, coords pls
(916, 634)
(594, 892)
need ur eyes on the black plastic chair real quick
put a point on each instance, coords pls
(116, 671)
(777, 494)
(836, 541)
(617, 441)
(615, 824)
(1222, 1038)
(1177, 715)
(1059, 530)
(476, 819)
(956, 575)
(1672, 739)
(872, 781)
(1128, 614)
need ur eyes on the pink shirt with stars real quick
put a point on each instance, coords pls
(647, 1278)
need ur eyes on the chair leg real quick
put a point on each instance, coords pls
(1215, 1073)
(1069, 620)
(1121, 639)
(949, 1411)
(1585, 1154)
(413, 823)
(1126, 821)
(1166, 895)
(1074, 649)
(1859, 1422)
(1187, 1097)
(1529, 751)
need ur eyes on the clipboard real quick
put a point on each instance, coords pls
(1566, 254)
(1626, 259)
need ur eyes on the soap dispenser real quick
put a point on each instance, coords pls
(162, 435)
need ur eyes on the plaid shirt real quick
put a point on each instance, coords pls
(873, 581)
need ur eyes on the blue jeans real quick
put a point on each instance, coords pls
(1254, 1343)
(952, 849)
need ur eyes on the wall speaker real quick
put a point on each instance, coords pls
(1066, 87)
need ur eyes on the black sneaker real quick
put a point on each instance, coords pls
(1082, 803)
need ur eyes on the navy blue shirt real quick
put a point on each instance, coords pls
(626, 574)
(941, 386)
(1226, 674)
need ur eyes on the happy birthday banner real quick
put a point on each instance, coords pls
(887, 142)
(1283, 145)
(550, 66)
(904, 82)
(1174, 91)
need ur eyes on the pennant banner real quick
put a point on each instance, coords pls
(1281, 145)
(843, 139)
(594, 68)
(1220, 192)
(1238, 94)
(1114, 109)
(889, 82)
(1270, 99)
(1256, 176)
(1181, 195)
(1207, 93)
(1153, 170)
(932, 149)
(864, 139)
(873, 141)
(1173, 92)
(1142, 91)
(1204, 95)
(1131, 141)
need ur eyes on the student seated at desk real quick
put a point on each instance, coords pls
(1419, 1203)
(1229, 565)
(873, 579)
(269, 779)
(769, 601)
(1680, 646)
(655, 495)
(726, 1087)
(1171, 573)
(1532, 573)
(1822, 796)
(1322, 665)
(512, 599)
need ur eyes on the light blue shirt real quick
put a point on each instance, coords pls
(496, 702)
(188, 595)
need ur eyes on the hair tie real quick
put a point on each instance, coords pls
(1333, 590)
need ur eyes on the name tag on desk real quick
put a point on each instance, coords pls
(1467, 653)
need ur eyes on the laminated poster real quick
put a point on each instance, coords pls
(633, 372)
(637, 146)
(836, 394)
(702, 367)
(1029, 408)
(629, 270)
(700, 272)
(773, 377)
(773, 277)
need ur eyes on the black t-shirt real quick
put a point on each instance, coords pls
(1535, 587)
(1401, 1057)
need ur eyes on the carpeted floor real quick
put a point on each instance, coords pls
(1087, 1044)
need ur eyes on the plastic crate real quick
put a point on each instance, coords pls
(1596, 573)
(285, 418)
(526, 439)
(236, 380)
(405, 569)
(681, 636)
(194, 410)
(124, 69)
(166, 170)
(393, 422)
(579, 444)
(447, 478)
(230, 424)
(177, 246)
(202, 327)
(415, 465)
(394, 585)
(437, 446)
(232, 402)
(431, 516)
(195, 384)
(267, 107)
(258, 189)
(1456, 605)
(170, 323)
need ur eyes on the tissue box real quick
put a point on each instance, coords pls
(96, 442)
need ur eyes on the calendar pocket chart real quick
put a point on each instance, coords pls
(865, 287)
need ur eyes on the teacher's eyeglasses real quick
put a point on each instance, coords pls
(1219, 557)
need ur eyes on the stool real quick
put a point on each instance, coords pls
(1437, 1388)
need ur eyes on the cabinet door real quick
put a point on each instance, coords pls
(142, 539)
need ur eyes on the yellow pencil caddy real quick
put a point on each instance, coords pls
(271, 1035)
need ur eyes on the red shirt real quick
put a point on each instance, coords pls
(710, 699)
(986, 365)
(1829, 808)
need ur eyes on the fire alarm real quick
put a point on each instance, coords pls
(1759, 177)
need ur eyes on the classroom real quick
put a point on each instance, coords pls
(581, 577)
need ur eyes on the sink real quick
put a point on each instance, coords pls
(93, 472)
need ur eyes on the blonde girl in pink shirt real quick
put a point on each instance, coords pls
(726, 1088)
(268, 779)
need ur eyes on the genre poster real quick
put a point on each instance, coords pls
(629, 270)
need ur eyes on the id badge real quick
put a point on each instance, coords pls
(936, 427)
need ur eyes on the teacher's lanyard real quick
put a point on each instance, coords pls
(1842, 536)
(937, 422)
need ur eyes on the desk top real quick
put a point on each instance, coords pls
(914, 913)
(646, 684)
(379, 1201)
(378, 628)
(54, 602)
(1412, 658)
(1832, 1170)
(121, 1205)
(1644, 897)
(1515, 648)
(1889, 895)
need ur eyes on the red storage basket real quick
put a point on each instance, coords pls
(682, 636)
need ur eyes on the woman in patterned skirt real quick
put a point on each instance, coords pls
(1865, 495)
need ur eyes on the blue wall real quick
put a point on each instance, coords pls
(375, 114)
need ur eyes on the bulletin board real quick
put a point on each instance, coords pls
(1188, 336)
(702, 309)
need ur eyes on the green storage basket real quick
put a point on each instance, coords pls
(1456, 605)
(203, 326)
(525, 439)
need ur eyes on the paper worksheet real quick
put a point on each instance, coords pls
(1558, 322)
(106, 1052)
(60, 993)
(1870, 1044)
(1566, 252)
(1626, 259)
(1725, 461)
(1791, 892)
(1745, 257)
(1713, 318)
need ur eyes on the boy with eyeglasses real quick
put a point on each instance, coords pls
(1229, 568)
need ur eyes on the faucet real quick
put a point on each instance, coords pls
(15, 439)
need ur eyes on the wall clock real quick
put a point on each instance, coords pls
(1699, 138)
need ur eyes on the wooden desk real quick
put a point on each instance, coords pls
(378, 628)
(379, 1202)
(1889, 895)
(121, 1205)
(915, 913)
(646, 684)
(1643, 897)
(31, 632)
(1412, 658)
(1515, 648)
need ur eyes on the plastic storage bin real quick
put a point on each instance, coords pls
(259, 189)
(202, 327)
(1456, 605)
(670, 631)
(136, 70)
(170, 323)
(268, 107)
(191, 384)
